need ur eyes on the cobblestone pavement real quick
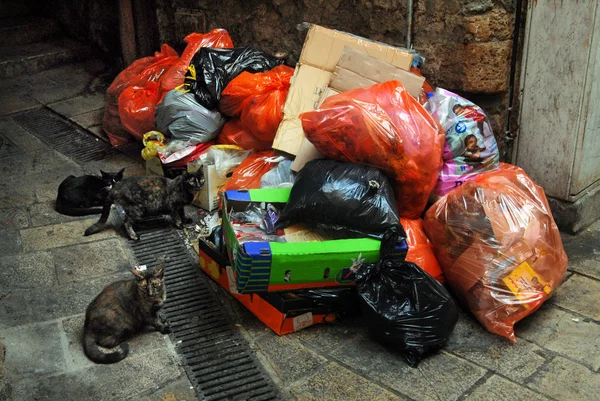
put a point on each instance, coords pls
(50, 272)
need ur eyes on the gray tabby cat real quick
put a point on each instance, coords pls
(150, 196)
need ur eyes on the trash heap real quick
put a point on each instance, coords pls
(346, 185)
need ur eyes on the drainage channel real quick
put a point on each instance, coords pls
(218, 360)
(63, 136)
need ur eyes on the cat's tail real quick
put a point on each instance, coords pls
(78, 211)
(93, 351)
(99, 225)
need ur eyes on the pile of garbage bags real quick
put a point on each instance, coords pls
(414, 176)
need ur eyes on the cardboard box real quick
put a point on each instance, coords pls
(357, 69)
(283, 313)
(321, 52)
(307, 151)
(287, 266)
(208, 197)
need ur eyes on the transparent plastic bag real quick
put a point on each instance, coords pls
(470, 146)
(224, 158)
(279, 177)
(143, 70)
(258, 99)
(420, 251)
(248, 174)
(180, 116)
(498, 246)
(385, 127)
(235, 133)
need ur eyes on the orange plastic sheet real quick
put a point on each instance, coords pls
(234, 133)
(420, 251)
(248, 174)
(385, 127)
(498, 246)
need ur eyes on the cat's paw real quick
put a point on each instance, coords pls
(165, 329)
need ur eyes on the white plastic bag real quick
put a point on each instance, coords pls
(224, 158)
(279, 177)
(182, 117)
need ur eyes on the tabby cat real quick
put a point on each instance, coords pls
(80, 196)
(123, 309)
(145, 196)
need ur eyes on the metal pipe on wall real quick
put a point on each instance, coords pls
(409, 21)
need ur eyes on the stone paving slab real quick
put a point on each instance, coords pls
(11, 242)
(27, 270)
(335, 382)
(565, 380)
(11, 196)
(134, 375)
(18, 307)
(84, 261)
(19, 136)
(496, 388)
(89, 119)
(435, 377)
(473, 342)
(580, 295)
(564, 333)
(584, 251)
(33, 349)
(179, 390)
(44, 214)
(78, 105)
(8, 147)
(14, 218)
(57, 235)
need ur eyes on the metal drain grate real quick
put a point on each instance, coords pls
(63, 136)
(218, 360)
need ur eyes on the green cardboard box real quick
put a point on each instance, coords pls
(285, 266)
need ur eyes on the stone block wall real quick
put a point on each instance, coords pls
(467, 43)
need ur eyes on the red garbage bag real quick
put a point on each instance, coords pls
(248, 174)
(420, 251)
(258, 99)
(385, 127)
(144, 69)
(137, 104)
(234, 133)
(498, 246)
(217, 38)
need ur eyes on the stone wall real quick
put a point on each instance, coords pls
(467, 43)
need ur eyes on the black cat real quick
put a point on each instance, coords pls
(144, 196)
(80, 196)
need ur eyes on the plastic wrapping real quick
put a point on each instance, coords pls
(234, 133)
(175, 76)
(279, 177)
(498, 246)
(385, 127)
(213, 69)
(470, 146)
(426, 89)
(180, 116)
(224, 158)
(258, 99)
(406, 308)
(137, 105)
(142, 70)
(342, 195)
(420, 251)
(248, 174)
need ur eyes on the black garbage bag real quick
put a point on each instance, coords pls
(215, 68)
(406, 308)
(342, 196)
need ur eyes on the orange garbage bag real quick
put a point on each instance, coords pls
(420, 251)
(498, 246)
(248, 174)
(145, 69)
(217, 38)
(385, 127)
(258, 99)
(234, 133)
(137, 104)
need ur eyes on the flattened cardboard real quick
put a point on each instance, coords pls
(357, 69)
(154, 167)
(308, 85)
(323, 48)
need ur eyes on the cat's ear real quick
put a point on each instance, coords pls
(159, 270)
(138, 274)
(104, 174)
(120, 174)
